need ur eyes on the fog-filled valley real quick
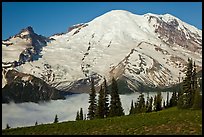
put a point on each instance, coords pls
(26, 114)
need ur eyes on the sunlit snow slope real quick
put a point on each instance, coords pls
(145, 49)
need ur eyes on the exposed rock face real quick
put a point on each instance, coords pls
(22, 87)
(33, 45)
(171, 33)
(78, 26)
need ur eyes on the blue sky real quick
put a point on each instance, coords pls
(48, 18)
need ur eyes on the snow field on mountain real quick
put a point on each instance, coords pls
(102, 45)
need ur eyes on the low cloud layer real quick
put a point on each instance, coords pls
(26, 114)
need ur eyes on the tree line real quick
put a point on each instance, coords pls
(189, 97)
(101, 108)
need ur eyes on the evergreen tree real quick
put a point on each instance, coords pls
(92, 101)
(77, 116)
(147, 102)
(136, 110)
(173, 100)
(115, 104)
(167, 100)
(157, 102)
(131, 109)
(141, 104)
(81, 114)
(187, 96)
(150, 105)
(164, 106)
(36, 123)
(101, 104)
(7, 126)
(56, 119)
(197, 104)
(179, 94)
(106, 100)
(188, 86)
(194, 84)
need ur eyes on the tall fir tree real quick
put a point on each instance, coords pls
(167, 100)
(173, 100)
(197, 104)
(106, 105)
(141, 104)
(115, 104)
(164, 105)
(7, 126)
(81, 114)
(158, 101)
(186, 97)
(155, 102)
(92, 101)
(36, 123)
(77, 116)
(147, 102)
(149, 109)
(101, 104)
(131, 109)
(194, 84)
(56, 119)
(136, 110)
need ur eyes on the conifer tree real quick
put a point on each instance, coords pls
(150, 105)
(194, 84)
(77, 116)
(155, 102)
(186, 97)
(92, 101)
(197, 104)
(131, 109)
(136, 110)
(173, 100)
(36, 123)
(106, 100)
(164, 106)
(147, 102)
(56, 119)
(167, 100)
(81, 114)
(159, 101)
(7, 126)
(141, 104)
(115, 104)
(101, 104)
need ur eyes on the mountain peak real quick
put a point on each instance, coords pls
(118, 11)
(29, 30)
(149, 49)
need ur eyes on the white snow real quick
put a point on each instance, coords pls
(109, 38)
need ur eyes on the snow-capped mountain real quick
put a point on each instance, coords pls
(148, 49)
(23, 47)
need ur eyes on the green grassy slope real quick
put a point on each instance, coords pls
(169, 121)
